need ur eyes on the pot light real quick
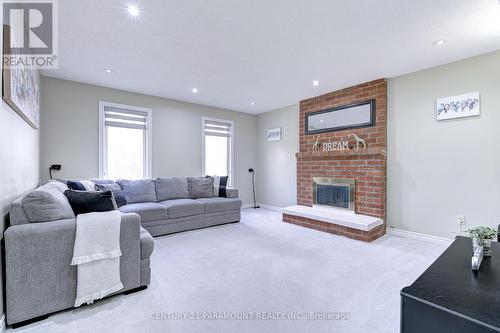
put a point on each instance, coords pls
(108, 70)
(133, 10)
(194, 90)
(252, 103)
(438, 42)
(315, 83)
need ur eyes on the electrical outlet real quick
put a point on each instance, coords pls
(461, 219)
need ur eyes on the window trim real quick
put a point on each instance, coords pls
(232, 174)
(148, 137)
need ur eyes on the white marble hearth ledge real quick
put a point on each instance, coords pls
(350, 220)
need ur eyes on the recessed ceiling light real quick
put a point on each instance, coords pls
(252, 103)
(133, 10)
(194, 90)
(315, 83)
(108, 70)
(321, 121)
(438, 42)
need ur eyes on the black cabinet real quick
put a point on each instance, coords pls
(450, 297)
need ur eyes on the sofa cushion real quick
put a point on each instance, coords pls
(142, 190)
(200, 187)
(46, 203)
(54, 184)
(215, 205)
(171, 188)
(231, 192)
(17, 215)
(147, 244)
(148, 211)
(103, 181)
(182, 207)
(117, 192)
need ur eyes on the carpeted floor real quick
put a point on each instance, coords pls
(261, 275)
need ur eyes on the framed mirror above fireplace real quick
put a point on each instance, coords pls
(356, 115)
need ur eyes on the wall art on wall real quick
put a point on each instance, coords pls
(467, 105)
(274, 134)
(21, 86)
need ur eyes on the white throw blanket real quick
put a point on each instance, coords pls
(97, 254)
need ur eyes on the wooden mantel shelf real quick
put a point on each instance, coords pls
(339, 153)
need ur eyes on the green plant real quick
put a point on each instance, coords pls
(482, 232)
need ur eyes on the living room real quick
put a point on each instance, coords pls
(250, 166)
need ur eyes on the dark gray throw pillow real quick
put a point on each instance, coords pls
(220, 185)
(81, 185)
(201, 187)
(117, 192)
(142, 190)
(87, 202)
(168, 188)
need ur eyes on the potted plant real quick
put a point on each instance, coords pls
(482, 236)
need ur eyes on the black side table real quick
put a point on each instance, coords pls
(450, 297)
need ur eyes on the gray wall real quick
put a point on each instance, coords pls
(438, 170)
(19, 164)
(276, 171)
(70, 132)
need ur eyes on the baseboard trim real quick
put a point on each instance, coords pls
(264, 206)
(247, 205)
(419, 236)
(2, 323)
(273, 208)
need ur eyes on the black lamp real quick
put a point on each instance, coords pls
(54, 167)
(252, 171)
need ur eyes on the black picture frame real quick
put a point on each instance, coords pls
(370, 102)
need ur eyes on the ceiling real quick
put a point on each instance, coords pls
(268, 52)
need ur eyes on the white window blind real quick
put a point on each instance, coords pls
(119, 117)
(218, 148)
(217, 128)
(125, 141)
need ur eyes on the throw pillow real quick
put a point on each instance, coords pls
(142, 190)
(220, 184)
(81, 185)
(168, 188)
(116, 190)
(87, 202)
(201, 187)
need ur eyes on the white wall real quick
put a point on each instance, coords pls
(276, 171)
(19, 163)
(438, 170)
(70, 132)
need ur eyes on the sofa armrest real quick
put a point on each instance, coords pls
(231, 192)
(38, 272)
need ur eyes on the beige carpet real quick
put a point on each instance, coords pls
(261, 275)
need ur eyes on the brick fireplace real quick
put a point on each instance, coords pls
(366, 166)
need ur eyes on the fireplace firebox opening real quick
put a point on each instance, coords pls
(334, 193)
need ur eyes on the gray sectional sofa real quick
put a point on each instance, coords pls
(39, 242)
(39, 248)
(172, 204)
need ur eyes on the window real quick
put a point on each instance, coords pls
(124, 141)
(218, 140)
